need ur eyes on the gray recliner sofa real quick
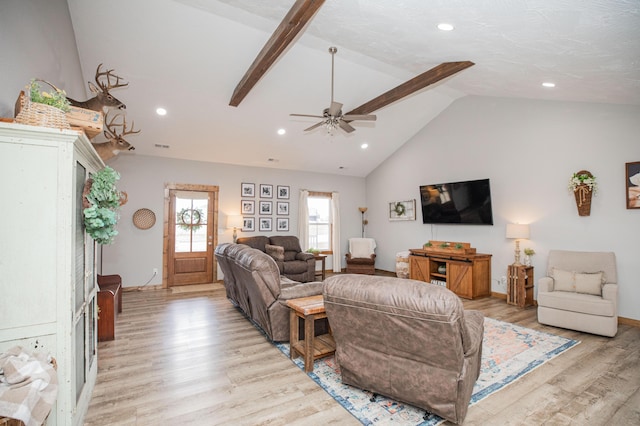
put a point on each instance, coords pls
(405, 339)
(253, 283)
(293, 263)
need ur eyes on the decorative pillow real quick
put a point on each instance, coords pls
(277, 252)
(563, 280)
(589, 283)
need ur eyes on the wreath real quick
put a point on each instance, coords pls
(188, 219)
(399, 208)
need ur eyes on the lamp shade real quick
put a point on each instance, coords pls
(234, 221)
(517, 231)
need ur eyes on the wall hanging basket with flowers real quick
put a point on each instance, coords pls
(583, 185)
(101, 201)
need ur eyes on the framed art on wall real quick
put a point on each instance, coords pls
(283, 208)
(266, 191)
(282, 224)
(265, 224)
(248, 224)
(633, 184)
(266, 207)
(248, 189)
(283, 192)
(402, 210)
(248, 207)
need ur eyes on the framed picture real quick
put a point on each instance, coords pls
(266, 207)
(248, 224)
(266, 191)
(248, 207)
(282, 208)
(402, 210)
(282, 224)
(283, 192)
(633, 185)
(248, 190)
(265, 224)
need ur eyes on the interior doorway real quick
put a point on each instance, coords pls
(190, 224)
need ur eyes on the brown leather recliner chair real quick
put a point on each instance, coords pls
(405, 339)
(294, 264)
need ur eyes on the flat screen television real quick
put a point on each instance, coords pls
(467, 202)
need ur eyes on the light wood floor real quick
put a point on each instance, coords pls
(193, 359)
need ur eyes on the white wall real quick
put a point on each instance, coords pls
(136, 252)
(529, 150)
(37, 42)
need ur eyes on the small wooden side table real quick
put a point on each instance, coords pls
(520, 285)
(312, 347)
(321, 258)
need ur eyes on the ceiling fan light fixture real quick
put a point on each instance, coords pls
(445, 27)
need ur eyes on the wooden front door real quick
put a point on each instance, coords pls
(190, 234)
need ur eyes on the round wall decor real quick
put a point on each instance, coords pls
(144, 219)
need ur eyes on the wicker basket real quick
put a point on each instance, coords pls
(583, 196)
(36, 114)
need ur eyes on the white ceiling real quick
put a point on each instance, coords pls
(189, 55)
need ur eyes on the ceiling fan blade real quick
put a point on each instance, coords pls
(353, 117)
(335, 108)
(346, 126)
(423, 80)
(306, 115)
(314, 126)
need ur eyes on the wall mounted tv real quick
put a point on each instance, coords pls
(467, 202)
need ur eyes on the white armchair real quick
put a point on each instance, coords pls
(580, 292)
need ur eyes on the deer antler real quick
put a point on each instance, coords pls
(112, 135)
(108, 85)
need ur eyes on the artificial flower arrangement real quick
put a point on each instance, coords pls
(529, 251)
(56, 98)
(101, 217)
(583, 179)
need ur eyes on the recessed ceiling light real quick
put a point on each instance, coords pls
(158, 145)
(281, 131)
(364, 146)
(548, 84)
(161, 111)
(272, 160)
(445, 27)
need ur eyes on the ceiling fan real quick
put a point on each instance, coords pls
(332, 117)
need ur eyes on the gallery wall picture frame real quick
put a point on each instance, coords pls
(283, 192)
(282, 224)
(282, 208)
(248, 224)
(265, 224)
(248, 189)
(402, 210)
(632, 173)
(247, 207)
(266, 207)
(266, 191)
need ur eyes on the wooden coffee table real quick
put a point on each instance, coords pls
(312, 347)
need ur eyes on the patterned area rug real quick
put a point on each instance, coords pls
(509, 352)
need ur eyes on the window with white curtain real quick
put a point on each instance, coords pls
(320, 223)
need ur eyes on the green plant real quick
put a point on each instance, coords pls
(56, 98)
(101, 217)
(313, 250)
(458, 245)
(428, 244)
(529, 251)
(444, 245)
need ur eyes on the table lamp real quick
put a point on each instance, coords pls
(517, 231)
(235, 222)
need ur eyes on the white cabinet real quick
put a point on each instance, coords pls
(47, 261)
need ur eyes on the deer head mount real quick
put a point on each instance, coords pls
(116, 141)
(103, 99)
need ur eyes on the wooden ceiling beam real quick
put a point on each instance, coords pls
(423, 80)
(296, 19)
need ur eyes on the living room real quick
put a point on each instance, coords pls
(527, 148)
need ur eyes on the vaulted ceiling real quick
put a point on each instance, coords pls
(188, 56)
